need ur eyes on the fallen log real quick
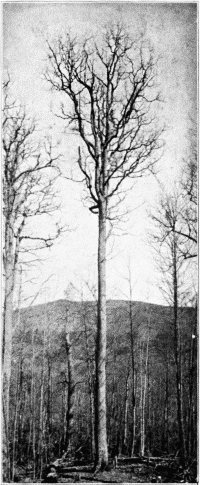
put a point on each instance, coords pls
(134, 459)
(71, 469)
(159, 458)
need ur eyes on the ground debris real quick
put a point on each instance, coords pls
(128, 470)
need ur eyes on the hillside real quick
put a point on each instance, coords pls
(54, 318)
(54, 315)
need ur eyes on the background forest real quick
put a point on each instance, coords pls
(99, 141)
(141, 382)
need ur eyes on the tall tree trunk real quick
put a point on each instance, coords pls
(177, 353)
(112, 421)
(144, 400)
(167, 408)
(48, 411)
(133, 372)
(32, 410)
(132, 359)
(8, 299)
(92, 417)
(17, 405)
(70, 396)
(141, 394)
(91, 392)
(63, 421)
(10, 264)
(190, 430)
(150, 414)
(41, 425)
(111, 429)
(20, 408)
(125, 437)
(101, 429)
(7, 344)
(33, 405)
(148, 411)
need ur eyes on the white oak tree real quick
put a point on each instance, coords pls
(114, 100)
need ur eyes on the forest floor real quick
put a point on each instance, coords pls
(128, 470)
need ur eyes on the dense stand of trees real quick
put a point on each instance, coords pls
(53, 380)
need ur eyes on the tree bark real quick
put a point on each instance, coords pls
(101, 429)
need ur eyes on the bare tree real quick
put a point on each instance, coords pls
(29, 174)
(170, 259)
(114, 98)
(188, 188)
(185, 198)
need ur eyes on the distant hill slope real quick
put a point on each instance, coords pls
(56, 316)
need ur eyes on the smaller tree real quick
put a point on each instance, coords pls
(29, 174)
(169, 243)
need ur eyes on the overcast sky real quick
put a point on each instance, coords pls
(172, 31)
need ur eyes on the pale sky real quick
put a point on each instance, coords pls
(171, 28)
